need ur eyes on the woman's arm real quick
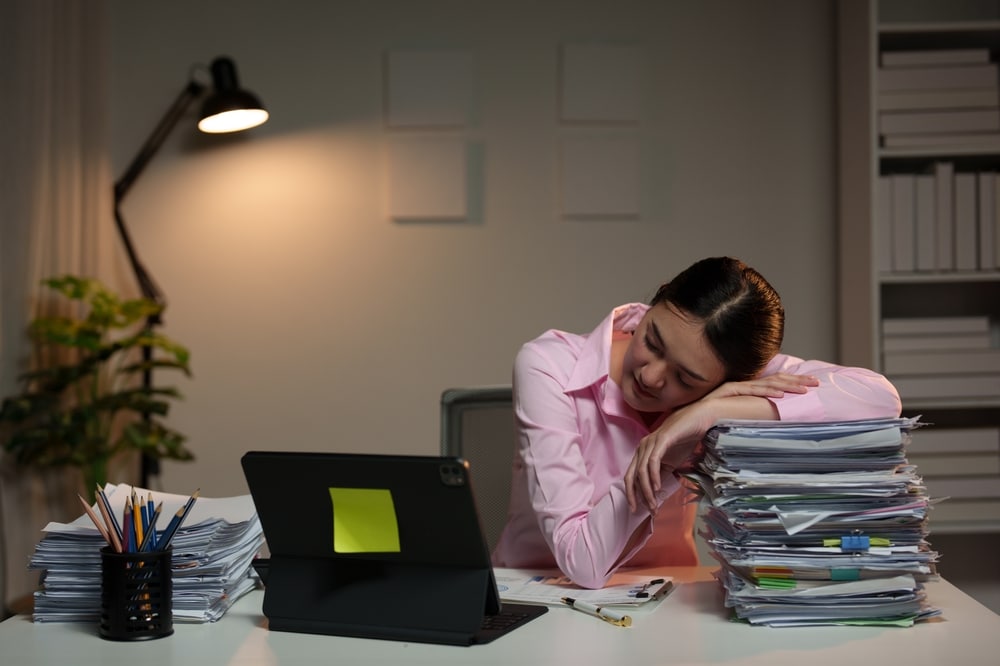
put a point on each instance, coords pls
(842, 393)
(587, 534)
(789, 389)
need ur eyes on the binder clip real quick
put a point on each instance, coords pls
(855, 543)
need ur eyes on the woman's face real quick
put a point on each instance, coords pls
(668, 362)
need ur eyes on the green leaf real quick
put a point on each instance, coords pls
(74, 394)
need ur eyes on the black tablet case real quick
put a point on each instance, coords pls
(436, 589)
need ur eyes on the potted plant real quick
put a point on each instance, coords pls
(82, 403)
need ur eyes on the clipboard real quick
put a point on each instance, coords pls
(550, 586)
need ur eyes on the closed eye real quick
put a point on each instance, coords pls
(652, 346)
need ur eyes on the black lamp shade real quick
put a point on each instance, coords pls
(228, 108)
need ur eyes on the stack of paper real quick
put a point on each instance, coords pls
(211, 560)
(817, 523)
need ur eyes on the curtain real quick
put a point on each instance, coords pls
(55, 218)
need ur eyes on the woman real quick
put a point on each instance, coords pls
(604, 420)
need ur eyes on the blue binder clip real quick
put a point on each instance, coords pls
(854, 543)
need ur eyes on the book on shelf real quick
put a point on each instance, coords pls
(883, 225)
(964, 511)
(955, 440)
(907, 343)
(956, 465)
(935, 325)
(966, 487)
(980, 140)
(924, 223)
(937, 77)
(996, 221)
(903, 231)
(918, 57)
(986, 217)
(958, 98)
(944, 174)
(939, 121)
(948, 387)
(943, 362)
(966, 223)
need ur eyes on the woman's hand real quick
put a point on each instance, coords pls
(771, 386)
(673, 444)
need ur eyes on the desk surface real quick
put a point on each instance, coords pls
(688, 627)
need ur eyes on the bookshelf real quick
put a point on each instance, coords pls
(919, 234)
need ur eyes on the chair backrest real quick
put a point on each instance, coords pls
(477, 423)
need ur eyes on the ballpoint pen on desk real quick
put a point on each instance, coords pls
(613, 617)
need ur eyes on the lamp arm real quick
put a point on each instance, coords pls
(188, 94)
(156, 139)
(149, 465)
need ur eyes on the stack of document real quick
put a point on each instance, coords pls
(817, 523)
(211, 560)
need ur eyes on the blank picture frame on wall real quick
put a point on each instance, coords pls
(428, 178)
(429, 88)
(599, 176)
(599, 83)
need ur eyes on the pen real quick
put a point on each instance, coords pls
(613, 617)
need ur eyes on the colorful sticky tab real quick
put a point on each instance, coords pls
(776, 583)
(845, 574)
(364, 521)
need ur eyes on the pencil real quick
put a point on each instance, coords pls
(137, 518)
(128, 524)
(149, 541)
(107, 505)
(97, 521)
(116, 541)
(176, 521)
(168, 533)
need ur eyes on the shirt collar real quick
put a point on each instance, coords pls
(594, 360)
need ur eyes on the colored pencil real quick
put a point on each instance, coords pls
(176, 521)
(116, 540)
(149, 540)
(137, 518)
(107, 506)
(97, 521)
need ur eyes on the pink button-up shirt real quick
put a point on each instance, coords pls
(576, 436)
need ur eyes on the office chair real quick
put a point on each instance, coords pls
(477, 424)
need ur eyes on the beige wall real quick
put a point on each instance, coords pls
(315, 322)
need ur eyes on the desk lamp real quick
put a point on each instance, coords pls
(227, 109)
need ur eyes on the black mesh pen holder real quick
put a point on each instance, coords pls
(136, 595)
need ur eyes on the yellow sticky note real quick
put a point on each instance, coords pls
(364, 521)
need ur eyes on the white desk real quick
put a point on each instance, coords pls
(688, 627)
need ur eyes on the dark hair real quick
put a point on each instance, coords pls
(743, 316)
